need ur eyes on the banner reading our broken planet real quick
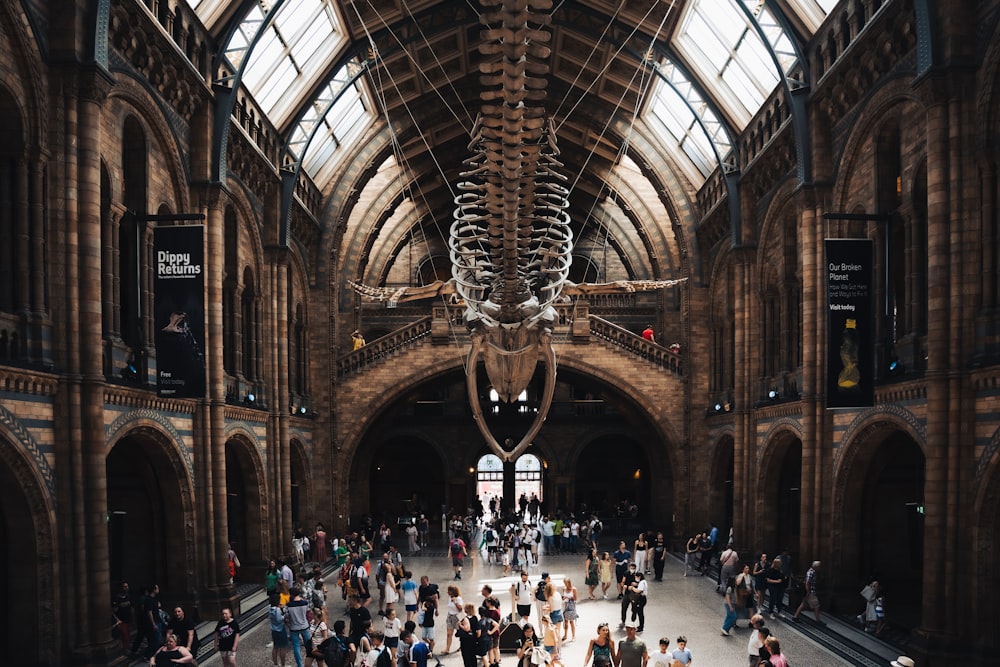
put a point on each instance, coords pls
(851, 333)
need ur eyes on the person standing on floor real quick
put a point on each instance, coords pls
(227, 637)
(592, 578)
(602, 648)
(758, 633)
(622, 558)
(730, 606)
(641, 547)
(759, 574)
(632, 650)
(811, 598)
(637, 599)
(121, 604)
(691, 552)
(775, 587)
(625, 584)
(458, 552)
(522, 595)
(298, 625)
(569, 609)
(606, 568)
(682, 653)
(659, 555)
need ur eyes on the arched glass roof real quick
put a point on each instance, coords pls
(725, 58)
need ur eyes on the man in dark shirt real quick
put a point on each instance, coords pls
(149, 626)
(182, 627)
(122, 606)
(621, 557)
(625, 583)
(427, 591)
(360, 617)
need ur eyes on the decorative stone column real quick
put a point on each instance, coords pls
(87, 492)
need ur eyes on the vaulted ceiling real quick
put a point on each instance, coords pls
(378, 98)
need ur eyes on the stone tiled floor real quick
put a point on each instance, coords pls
(677, 605)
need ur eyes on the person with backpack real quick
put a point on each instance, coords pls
(279, 629)
(336, 650)
(298, 625)
(418, 650)
(458, 553)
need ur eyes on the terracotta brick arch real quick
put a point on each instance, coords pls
(167, 464)
(652, 390)
(375, 452)
(855, 457)
(252, 525)
(27, 512)
(985, 548)
(770, 463)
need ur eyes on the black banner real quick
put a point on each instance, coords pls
(179, 309)
(851, 328)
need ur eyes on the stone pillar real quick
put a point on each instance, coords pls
(813, 374)
(744, 376)
(88, 496)
(212, 452)
(938, 616)
(278, 440)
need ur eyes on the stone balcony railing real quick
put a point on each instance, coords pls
(446, 324)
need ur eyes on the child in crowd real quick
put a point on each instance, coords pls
(681, 653)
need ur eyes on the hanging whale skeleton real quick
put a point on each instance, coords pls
(510, 244)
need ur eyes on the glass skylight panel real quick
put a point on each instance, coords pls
(812, 12)
(336, 127)
(724, 48)
(290, 56)
(673, 114)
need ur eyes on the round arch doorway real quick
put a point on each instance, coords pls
(406, 479)
(613, 480)
(147, 515)
(26, 564)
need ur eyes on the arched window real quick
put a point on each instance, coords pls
(230, 296)
(489, 478)
(250, 309)
(528, 476)
(132, 233)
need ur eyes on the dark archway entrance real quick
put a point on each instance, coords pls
(788, 496)
(147, 535)
(891, 526)
(721, 491)
(19, 572)
(244, 502)
(301, 498)
(778, 527)
(613, 479)
(407, 477)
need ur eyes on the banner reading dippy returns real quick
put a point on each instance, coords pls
(851, 331)
(179, 308)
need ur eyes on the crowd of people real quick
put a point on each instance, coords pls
(391, 619)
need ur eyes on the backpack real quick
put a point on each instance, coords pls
(380, 573)
(336, 653)
(596, 530)
(456, 547)
(384, 658)
(490, 535)
(540, 590)
(317, 599)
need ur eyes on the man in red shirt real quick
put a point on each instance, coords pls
(458, 553)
